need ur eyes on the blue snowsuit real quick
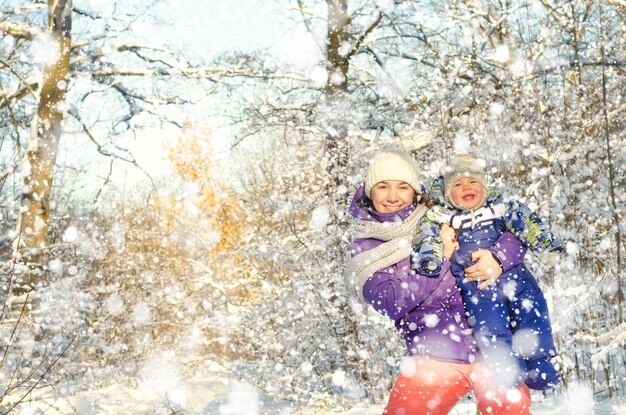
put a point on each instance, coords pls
(509, 318)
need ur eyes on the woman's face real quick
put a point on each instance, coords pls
(467, 192)
(392, 195)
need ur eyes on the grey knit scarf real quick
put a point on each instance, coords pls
(398, 237)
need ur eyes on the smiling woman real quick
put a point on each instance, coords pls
(392, 181)
(392, 195)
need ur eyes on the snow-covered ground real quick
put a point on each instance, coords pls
(220, 394)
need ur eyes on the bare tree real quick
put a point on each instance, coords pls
(82, 74)
(45, 134)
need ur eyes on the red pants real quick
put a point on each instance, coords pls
(432, 387)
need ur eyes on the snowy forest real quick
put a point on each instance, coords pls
(173, 209)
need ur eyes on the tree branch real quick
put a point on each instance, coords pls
(109, 149)
(19, 30)
(361, 39)
(27, 88)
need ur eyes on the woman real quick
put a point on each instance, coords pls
(428, 311)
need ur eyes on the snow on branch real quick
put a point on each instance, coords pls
(361, 39)
(618, 336)
(19, 30)
(27, 87)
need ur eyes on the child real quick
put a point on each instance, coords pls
(509, 318)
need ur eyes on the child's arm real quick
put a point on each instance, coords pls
(436, 191)
(528, 227)
(427, 254)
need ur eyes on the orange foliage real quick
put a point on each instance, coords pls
(209, 209)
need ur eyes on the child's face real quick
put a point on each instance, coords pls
(392, 195)
(467, 192)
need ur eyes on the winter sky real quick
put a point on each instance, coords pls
(205, 29)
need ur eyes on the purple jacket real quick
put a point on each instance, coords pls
(428, 311)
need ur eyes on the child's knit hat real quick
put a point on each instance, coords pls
(464, 166)
(392, 165)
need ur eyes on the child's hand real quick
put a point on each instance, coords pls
(447, 233)
(448, 238)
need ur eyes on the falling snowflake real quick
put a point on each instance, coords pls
(339, 378)
(319, 218)
(431, 320)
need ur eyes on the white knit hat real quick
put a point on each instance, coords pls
(392, 165)
(464, 166)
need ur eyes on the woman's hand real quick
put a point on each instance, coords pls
(486, 268)
(448, 238)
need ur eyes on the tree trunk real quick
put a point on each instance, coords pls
(38, 165)
(337, 52)
(337, 57)
(336, 148)
(607, 127)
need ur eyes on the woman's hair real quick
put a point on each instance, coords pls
(423, 199)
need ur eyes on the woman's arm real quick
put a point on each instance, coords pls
(486, 265)
(508, 251)
(397, 290)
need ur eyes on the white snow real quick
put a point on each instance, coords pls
(146, 322)
(319, 218)
(218, 393)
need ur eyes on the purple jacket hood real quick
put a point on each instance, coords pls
(361, 208)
